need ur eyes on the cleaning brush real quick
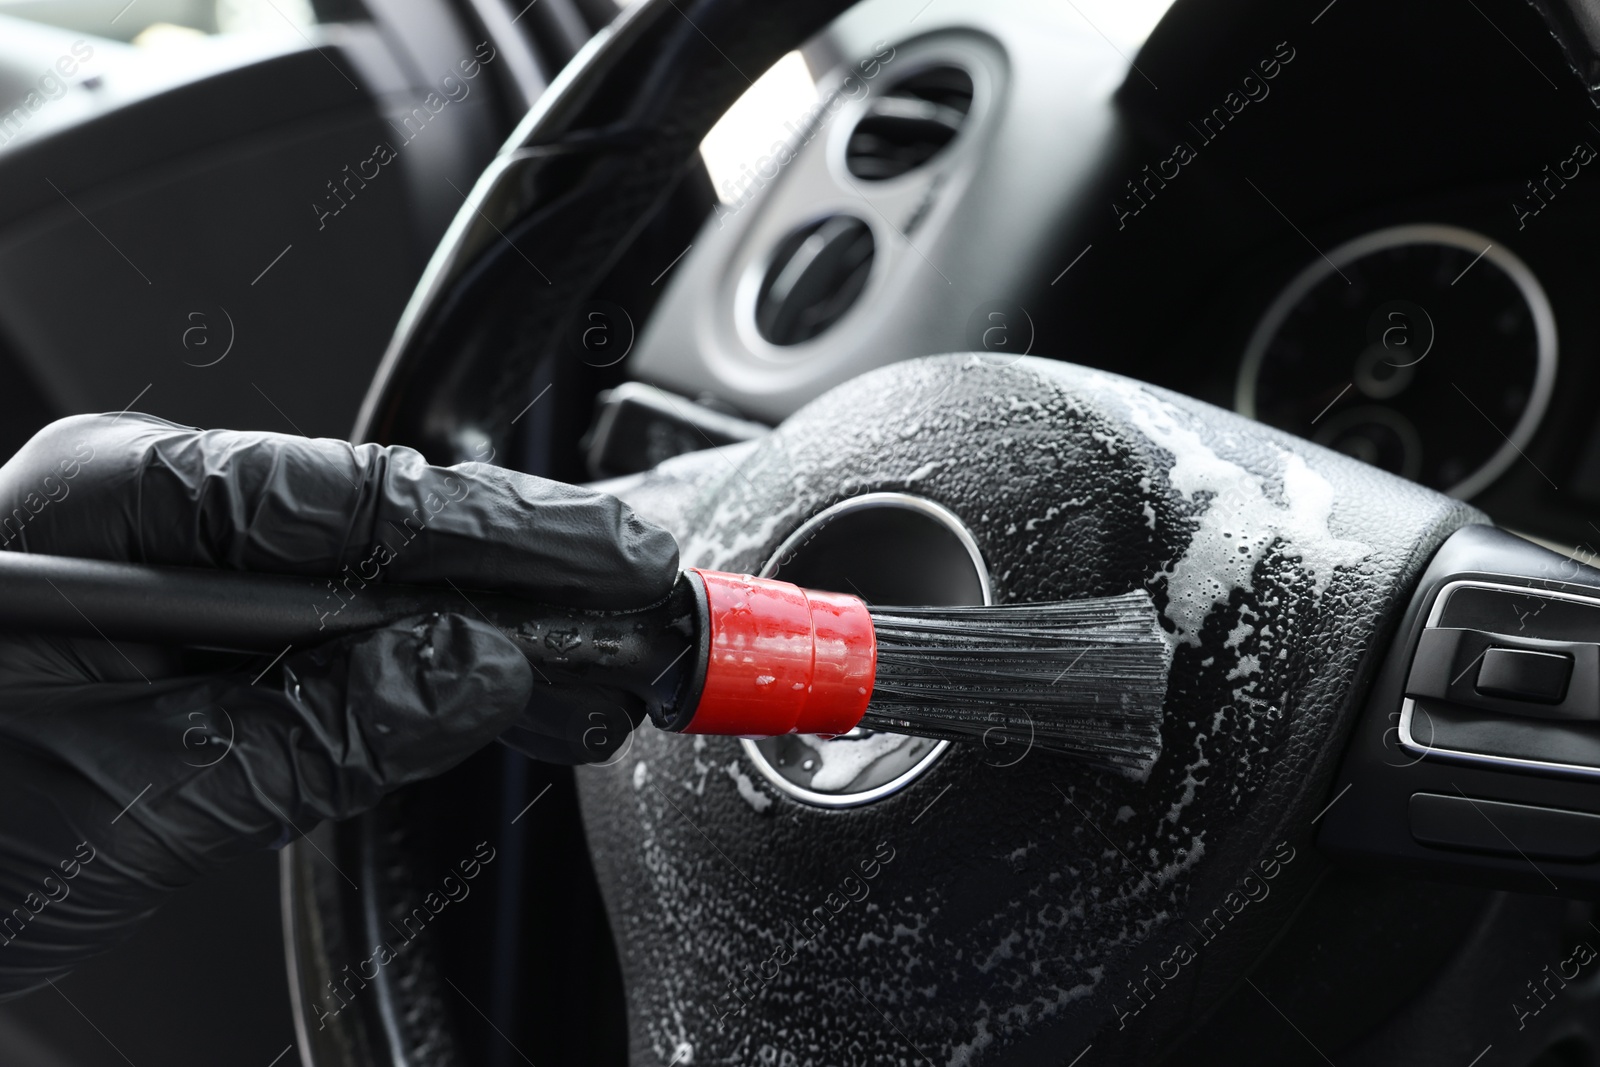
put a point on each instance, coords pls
(1083, 678)
(722, 654)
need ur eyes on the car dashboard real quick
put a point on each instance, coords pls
(1367, 226)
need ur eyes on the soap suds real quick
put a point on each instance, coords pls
(1237, 522)
(747, 789)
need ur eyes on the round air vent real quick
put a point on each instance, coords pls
(815, 276)
(910, 123)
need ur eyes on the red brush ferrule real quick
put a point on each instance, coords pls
(782, 660)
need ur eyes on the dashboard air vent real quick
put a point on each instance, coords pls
(910, 123)
(817, 273)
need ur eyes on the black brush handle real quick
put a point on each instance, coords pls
(648, 652)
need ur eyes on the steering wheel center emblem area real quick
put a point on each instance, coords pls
(886, 548)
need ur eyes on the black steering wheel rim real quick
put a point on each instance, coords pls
(583, 172)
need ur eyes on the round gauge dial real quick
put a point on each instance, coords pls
(1428, 351)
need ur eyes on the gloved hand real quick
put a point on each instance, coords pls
(125, 774)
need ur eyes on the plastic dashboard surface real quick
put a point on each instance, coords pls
(951, 240)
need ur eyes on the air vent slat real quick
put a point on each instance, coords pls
(815, 276)
(910, 123)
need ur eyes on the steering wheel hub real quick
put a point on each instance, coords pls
(1026, 895)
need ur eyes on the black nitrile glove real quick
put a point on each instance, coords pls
(126, 774)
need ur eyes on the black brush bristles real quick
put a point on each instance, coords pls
(1082, 678)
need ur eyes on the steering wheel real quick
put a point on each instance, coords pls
(980, 905)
